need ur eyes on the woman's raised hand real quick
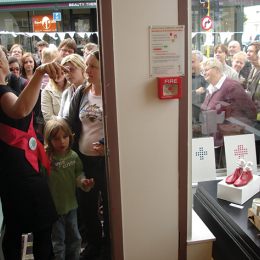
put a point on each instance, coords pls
(53, 69)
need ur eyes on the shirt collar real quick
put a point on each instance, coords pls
(218, 85)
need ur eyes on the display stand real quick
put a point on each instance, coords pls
(236, 236)
(238, 195)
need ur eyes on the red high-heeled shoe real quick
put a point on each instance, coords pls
(238, 171)
(246, 175)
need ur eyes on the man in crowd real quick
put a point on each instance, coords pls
(233, 48)
(40, 46)
(67, 47)
(253, 80)
(199, 84)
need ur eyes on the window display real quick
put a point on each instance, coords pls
(225, 72)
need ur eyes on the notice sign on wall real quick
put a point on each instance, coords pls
(44, 23)
(167, 51)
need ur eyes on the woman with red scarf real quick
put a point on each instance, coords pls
(26, 199)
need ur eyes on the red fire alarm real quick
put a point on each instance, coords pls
(169, 87)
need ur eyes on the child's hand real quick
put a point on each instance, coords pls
(99, 148)
(88, 182)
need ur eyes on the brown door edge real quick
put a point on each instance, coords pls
(105, 29)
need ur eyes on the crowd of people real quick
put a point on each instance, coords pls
(226, 92)
(51, 124)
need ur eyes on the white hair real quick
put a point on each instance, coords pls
(199, 55)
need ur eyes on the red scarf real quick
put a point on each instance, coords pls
(33, 148)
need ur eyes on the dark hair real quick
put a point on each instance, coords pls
(257, 46)
(42, 43)
(70, 43)
(28, 54)
(223, 47)
(12, 59)
(94, 53)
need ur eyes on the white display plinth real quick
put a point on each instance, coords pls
(238, 195)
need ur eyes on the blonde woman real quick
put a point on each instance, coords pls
(17, 51)
(51, 96)
(76, 77)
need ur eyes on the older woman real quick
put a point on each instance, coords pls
(17, 51)
(224, 94)
(239, 62)
(221, 53)
(225, 98)
(26, 199)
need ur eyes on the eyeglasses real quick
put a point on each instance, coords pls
(64, 50)
(71, 69)
(13, 69)
(206, 70)
(19, 52)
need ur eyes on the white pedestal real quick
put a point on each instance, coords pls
(238, 195)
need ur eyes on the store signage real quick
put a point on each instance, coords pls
(206, 23)
(83, 4)
(44, 23)
(57, 17)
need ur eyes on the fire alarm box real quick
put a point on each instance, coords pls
(169, 87)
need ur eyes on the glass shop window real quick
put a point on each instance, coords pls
(225, 90)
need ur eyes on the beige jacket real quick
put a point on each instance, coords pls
(50, 102)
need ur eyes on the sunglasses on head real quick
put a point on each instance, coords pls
(13, 69)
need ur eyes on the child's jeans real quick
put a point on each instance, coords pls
(66, 238)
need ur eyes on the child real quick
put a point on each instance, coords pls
(66, 174)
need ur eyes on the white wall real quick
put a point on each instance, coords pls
(148, 134)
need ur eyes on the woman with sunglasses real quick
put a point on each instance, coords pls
(15, 69)
(28, 66)
(76, 77)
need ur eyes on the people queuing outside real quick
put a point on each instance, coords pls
(233, 48)
(227, 98)
(199, 84)
(239, 62)
(221, 53)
